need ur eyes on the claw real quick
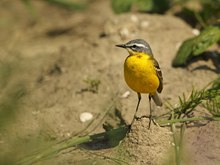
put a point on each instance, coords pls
(153, 120)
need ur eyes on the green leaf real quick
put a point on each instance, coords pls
(158, 6)
(144, 5)
(196, 45)
(216, 84)
(121, 6)
(184, 52)
(208, 37)
(213, 104)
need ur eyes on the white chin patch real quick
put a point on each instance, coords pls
(130, 51)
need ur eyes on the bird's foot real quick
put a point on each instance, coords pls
(151, 119)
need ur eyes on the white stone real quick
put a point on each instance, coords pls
(125, 95)
(85, 116)
(196, 32)
(134, 18)
(144, 24)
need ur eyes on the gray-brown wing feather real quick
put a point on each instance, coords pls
(159, 75)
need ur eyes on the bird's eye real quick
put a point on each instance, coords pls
(134, 46)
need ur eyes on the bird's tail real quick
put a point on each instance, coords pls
(157, 99)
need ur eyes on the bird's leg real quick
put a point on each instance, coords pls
(135, 115)
(150, 116)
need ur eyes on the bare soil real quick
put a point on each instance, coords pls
(54, 52)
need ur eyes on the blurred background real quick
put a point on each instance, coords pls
(61, 75)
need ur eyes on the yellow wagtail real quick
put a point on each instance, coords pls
(142, 72)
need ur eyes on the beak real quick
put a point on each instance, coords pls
(121, 45)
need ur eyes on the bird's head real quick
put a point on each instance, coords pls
(137, 46)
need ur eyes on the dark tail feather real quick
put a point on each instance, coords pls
(157, 99)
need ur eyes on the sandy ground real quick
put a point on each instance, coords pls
(59, 52)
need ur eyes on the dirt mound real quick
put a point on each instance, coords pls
(148, 146)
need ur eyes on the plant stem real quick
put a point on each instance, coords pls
(182, 130)
(175, 141)
(116, 134)
(52, 150)
(161, 122)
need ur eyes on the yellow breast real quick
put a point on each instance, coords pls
(140, 74)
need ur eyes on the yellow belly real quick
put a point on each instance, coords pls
(140, 74)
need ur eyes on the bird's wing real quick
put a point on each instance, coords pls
(159, 75)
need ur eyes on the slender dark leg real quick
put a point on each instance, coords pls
(150, 116)
(139, 100)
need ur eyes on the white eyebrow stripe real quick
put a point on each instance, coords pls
(138, 45)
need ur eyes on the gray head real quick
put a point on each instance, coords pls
(137, 45)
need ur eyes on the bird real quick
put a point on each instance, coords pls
(142, 73)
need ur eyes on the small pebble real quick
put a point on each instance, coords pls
(144, 24)
(85, 116)
(124, 33)
(134, 18)
(68, 134)
(196, 32)
(125, 95)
